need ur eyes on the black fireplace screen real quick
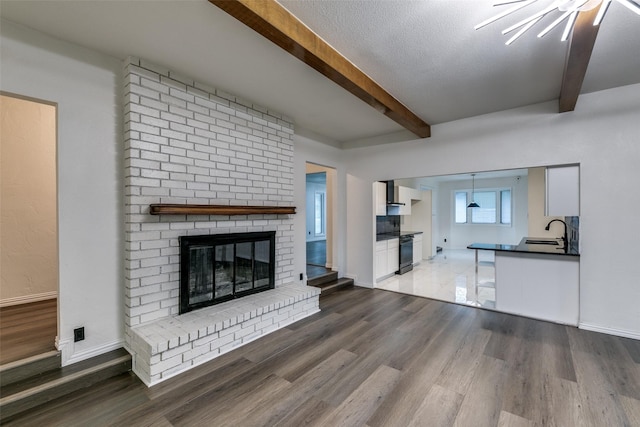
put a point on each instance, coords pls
(219, 267)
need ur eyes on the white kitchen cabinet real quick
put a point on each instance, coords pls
(417, 248)
(387, 257)
(404, 196)
(393, 255)
(380, 196)
(381, 259)
(540, 286)
(562, 191)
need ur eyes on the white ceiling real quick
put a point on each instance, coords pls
(425, 53)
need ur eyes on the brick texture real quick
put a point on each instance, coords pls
(188, 143)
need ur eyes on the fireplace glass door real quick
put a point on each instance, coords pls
(218, 268)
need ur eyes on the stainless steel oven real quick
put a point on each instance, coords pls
(406, 254)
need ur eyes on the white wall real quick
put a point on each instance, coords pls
(86, 87)
(601, 135)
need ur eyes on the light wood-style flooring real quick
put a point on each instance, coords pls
(27, 330)
(379, 358)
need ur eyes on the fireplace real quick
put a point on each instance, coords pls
(220, 267)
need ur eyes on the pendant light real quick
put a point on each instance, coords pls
(473, 191)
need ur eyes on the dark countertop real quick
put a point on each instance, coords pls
(386, 236)
(523, 247)
(389, 236)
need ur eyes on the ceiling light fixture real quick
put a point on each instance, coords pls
(569, 9)
(473, 192)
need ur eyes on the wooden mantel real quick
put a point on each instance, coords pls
(176, 209)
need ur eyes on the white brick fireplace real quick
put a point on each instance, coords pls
(186, 143)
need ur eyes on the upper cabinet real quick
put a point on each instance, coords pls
(380, 196)
(401, 195)
(408, 196)
(562, 191)
(404, 196)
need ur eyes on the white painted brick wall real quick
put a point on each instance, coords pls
(177, 343)
(187, 143)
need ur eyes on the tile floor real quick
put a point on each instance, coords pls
(450, 276)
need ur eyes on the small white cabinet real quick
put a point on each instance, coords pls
(393, 255)
(380, 197)
(562, 191)
(417, 248)
(381, 258)
(387, 257)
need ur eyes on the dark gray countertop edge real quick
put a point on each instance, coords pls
(524, 248)
(380, 237)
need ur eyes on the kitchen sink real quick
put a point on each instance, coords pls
(541, 242)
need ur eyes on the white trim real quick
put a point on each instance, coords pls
(89, 353)
(28, 298)
(610, 331)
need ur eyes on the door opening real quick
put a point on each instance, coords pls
(320, 183)
(29, 222)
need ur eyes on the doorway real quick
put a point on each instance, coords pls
(320, 181)
(29, 227)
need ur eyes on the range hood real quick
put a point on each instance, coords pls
(392, 196)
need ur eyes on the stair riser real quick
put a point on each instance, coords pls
(338, 285)
(29, 369)
(47, 394)
(332, 277)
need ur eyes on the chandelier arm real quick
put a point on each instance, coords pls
(562, 17)
(523, 30)
(504, 13)
(569, 27)
(506, 2)
(540, 14)
(632, 5)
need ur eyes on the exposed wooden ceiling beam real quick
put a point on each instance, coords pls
(270, 19)
(583, 38)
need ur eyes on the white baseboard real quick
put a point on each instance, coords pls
(89, 353)
(610, 331)
(28, 298)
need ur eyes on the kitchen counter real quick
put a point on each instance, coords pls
(525, 248)
(389, 236)
(386, 236)
(536, 280)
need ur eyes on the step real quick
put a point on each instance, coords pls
(336, 285)
(43, 387)
(14, 372)
(318, 281)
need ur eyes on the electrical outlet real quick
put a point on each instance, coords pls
(78, 334)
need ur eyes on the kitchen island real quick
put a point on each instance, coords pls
(538, 278)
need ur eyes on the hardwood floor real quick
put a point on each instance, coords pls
(379, 358)
(27, 330)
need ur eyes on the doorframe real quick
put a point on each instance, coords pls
(54, 294)
(331, 209)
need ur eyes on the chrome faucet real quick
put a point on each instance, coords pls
(565, 239)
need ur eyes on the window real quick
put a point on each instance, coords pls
(486, 213)
(461, 207)
(495, 207)
(505, 207)
(319, 214)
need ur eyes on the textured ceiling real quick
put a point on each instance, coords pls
(425, 53)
